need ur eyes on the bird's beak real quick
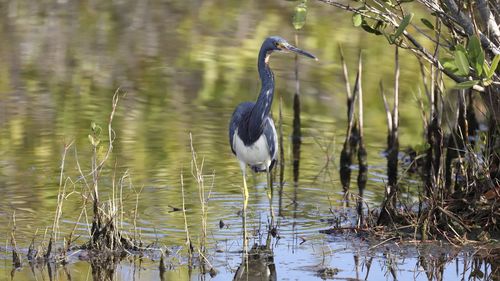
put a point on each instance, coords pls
(288, 47)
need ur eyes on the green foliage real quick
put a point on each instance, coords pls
(449, 64)
(461, 61)
(299, 18)
(357, 19)
(402, 26)
(392, 38)
(466, 84)
(493, 68)
(475, 54)
(95, 133)
(368, 28)
(472, 56)
(427, 23)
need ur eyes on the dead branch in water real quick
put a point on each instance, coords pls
(362, 155)
(16, 258)
(351, 139)
(389, 205)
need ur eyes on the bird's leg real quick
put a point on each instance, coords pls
(244, 214)
(270, 197)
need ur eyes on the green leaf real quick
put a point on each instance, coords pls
(486, 68)
(369, 29)
(476, 54)
(461, 62)
(357, 19)
(449, 64)
(427, 23)
(494, 65)
(461, 48)
(474, 46)
(466, 84)
(299, 18)
(478, 64)
(402, 26)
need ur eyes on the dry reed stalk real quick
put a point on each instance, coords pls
(197, 173)
(61, 194)
(186, 228)
(16, 258)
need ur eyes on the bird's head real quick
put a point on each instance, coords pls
(278, 44)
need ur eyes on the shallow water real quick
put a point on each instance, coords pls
(184, 66)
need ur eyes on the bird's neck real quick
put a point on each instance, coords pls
(260, 111)
(265, 73)
(265, 99)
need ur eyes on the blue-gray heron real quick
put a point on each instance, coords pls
(252, 134)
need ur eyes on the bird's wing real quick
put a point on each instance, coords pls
(271, 138)
(242, 110)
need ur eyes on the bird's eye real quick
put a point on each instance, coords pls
(277, 44)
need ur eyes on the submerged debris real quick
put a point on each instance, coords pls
(328, 272)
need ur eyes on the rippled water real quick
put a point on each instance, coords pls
(184, 66)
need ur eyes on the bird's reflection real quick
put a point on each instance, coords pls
(257, 265)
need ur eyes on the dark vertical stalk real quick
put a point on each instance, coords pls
(362, 161)
(456, 141)
(296, 139)
(393, 140)
(435, 141)
(162, 269)
(388, 207)
(349, 143)
(296, 135)
(16, 258)
(493, 145)
(282, 159)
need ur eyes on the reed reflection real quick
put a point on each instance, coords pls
(257, 265)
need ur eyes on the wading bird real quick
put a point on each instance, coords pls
(252, 134)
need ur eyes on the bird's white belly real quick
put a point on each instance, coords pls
(254, 154)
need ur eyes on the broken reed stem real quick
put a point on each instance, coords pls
(282, 156)
(296, 134)
(388, 209)
(16, 258)
(346, 75)
(97, 168)
(362, 155)
(360, 97)
(395, 114)
(186, 228)
(349, 143)
(197, 172)
(297, 82)
(393, 141)
(387, 108)
(136, 213)
(60, 195)
(351, 98)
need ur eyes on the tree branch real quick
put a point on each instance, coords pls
(489, 20)
(466, 23)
